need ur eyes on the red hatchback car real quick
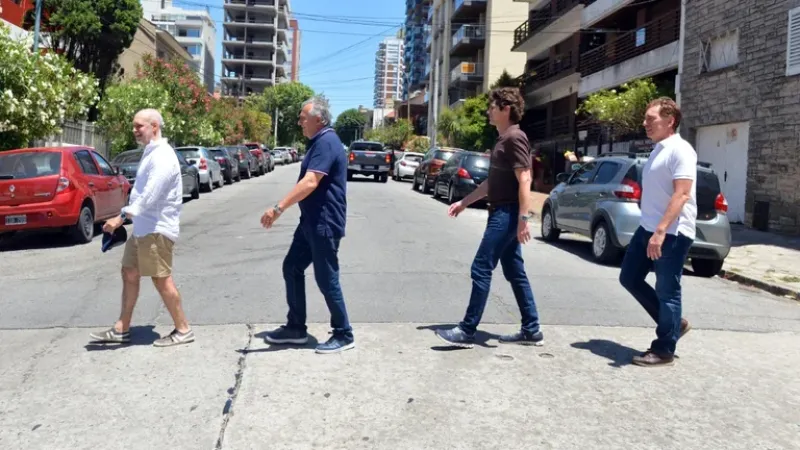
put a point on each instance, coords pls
(72, 188)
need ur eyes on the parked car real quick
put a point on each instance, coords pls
(228, 163)
(600, 200)
(127, 163)
(370, 159)
(429, 167)
(210, 170)
(248, 164)
(461, 174)
(72, 188)
(260, 153)
(190, 176)
(406, 164)
(282, 155)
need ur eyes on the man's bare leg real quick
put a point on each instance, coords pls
(130, 293)
(172, 300)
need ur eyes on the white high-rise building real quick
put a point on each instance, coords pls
(389, 70)
(255, 45)
(192, 28)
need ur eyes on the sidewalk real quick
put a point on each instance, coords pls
(400, 388)
(767, 261)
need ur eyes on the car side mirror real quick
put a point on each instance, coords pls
(116, 170)
(562, 177)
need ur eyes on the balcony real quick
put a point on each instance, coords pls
(646, 51)
(243, 4)
(252, 59)
(428, 41)
(467, 72)
(430, 14)
(597, 10)
(549, 71)
(466, 9)
(565, 16)
(252, 22)
(468, 39)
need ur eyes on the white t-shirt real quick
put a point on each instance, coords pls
(671, 159)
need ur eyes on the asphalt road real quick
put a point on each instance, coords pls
(403, 261)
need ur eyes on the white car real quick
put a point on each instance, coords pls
(209, 169)
(405, 166)
(282, 155)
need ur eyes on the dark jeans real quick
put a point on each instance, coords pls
(664, 302)
(500, 244)
(309, 247)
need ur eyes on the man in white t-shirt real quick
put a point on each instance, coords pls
(666, 230)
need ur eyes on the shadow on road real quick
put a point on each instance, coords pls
(37, 240)
(619, 354)
(311, 344)
(481, 337)
(140, 335)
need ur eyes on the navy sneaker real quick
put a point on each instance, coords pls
(456, 337)
(523, 338)
(336, 344)
(285, 335)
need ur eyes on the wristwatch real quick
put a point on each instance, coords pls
(123, 216)
(277, 208)
(525, 218)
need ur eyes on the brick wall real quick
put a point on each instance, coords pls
(756, 89)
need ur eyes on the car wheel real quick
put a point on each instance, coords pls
(349, 176)
(425, 188)
(549, 231)
(414, 183)
(384, 178)
(603, 248)
(377, 177)
(83, 231)
(451, 197)
(436, 190)
(706, 267)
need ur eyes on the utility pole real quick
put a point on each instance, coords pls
(275, 142)
(435, 101)
(38, 26)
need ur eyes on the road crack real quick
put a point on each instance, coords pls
(233, 393)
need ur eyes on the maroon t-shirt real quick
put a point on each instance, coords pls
(510, 152)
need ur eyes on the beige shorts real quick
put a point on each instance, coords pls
(150, 254)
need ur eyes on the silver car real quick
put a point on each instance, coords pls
(406, 164)
(600, 200)
(209, 168)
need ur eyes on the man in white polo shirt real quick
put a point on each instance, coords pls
(666, 231)
(155, 207)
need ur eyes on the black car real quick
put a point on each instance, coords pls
(461, 175)
(228, 162)
(190, 175)
(127, 163)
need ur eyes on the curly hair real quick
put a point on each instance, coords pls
(668, 109)
(508, 96)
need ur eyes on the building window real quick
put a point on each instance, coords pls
(720, 52)
(793, 43)
(189, 32)
(194, 49)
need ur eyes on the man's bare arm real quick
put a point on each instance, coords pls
(301, 190)
(682, 194)
(524, 179)
(478, 194)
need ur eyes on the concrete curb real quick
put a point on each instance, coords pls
(760, 284)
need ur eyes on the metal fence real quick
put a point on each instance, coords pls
(78, 133)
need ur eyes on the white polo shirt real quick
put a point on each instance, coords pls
(671, 159)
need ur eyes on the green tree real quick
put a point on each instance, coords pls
(348, 123)
(419, 144)
(474, 130)
(37, 93)
(621, 110)
(287, 99)
(505, 80)
(122, 101)
(90, 33)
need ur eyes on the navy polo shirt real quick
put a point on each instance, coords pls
(325, 210)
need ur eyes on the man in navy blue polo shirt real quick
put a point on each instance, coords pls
(321, 192)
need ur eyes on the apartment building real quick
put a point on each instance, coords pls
(154, 41)
(255, 46)
(740, 97)
(293, 54)
(389, 71)
(194, 29)
(470, 46)
(416, 54)
(575, 48)
(12, 13)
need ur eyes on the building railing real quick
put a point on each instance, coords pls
(249, 56)
(469, 31)
(561, 125)
(458, 3)
(541, 18)
(472, 71)
(550, 70)
(652, 35)
(538, 130)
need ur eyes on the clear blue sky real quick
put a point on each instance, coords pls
(330, 26)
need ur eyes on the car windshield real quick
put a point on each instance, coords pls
(252, 146)
(413, 158)
(190, 152)
(479, 162)
(128, 157)
(29, 165)
(442, 154)
(367, 146)
(218, 153)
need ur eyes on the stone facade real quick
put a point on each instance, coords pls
(754, 89)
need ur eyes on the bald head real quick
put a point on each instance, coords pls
(147, 126)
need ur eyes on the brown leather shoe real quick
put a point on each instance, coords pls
(650, 359)
(685, 327)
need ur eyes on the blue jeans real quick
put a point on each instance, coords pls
(500, 244)
(309, 247)
(664, 302)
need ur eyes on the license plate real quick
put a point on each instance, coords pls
(370, 167)
(17, 220)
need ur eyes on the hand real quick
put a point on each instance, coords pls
(112, 224)
(523, 232)
(654, 246)
(269, 218)
(455, 209)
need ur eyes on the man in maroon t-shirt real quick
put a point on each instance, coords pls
(508, 191)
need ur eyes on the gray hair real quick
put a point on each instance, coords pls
(153, 116)
(319, 108)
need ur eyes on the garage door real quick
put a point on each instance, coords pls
(725, 147)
